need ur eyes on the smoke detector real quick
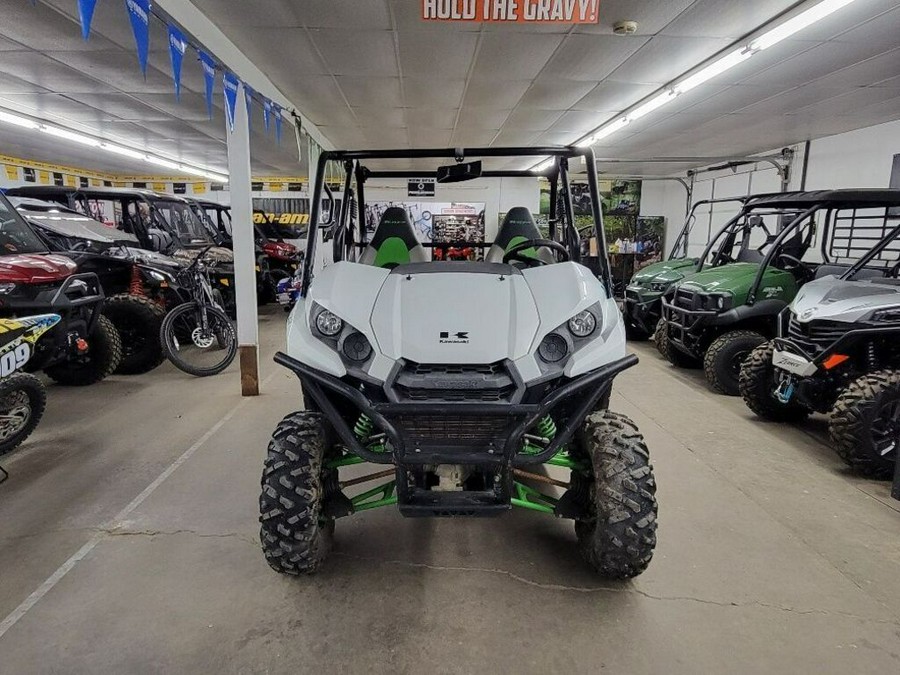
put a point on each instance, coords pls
(625, 27)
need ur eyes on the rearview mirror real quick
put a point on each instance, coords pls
(457, 173)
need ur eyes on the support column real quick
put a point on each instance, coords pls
(244, 247)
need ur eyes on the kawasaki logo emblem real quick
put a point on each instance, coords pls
(460, 338)
(772, 291)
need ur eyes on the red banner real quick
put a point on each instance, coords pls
(512, 11)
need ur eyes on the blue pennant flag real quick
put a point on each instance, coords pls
(177, 47)
(267, 113)
(231, 92)
(248, 98)
(209, 75)
(139, 12)
(276, 110)
(86, 13)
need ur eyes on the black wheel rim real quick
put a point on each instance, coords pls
(737, 360)
(886, 429)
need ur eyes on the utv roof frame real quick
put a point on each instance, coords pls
(355, 172)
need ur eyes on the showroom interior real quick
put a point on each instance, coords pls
(403, 336)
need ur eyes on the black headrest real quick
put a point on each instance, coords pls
(518, 223)
(394, 222)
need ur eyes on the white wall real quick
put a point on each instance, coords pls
(856, 159)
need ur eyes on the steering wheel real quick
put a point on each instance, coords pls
(517, 252)
(798, 264)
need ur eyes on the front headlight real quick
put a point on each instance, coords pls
(717, 301)
(356, 347)
(5, 289)
(659, 286)
(553, 348)
(886, 315)
(329, 324)
(582, 324)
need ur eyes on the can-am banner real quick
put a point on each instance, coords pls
(512, 11)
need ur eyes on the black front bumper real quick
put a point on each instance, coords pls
(493, 431)
(687, 327)
(642, 313)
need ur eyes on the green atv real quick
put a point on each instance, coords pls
(730, 305)
(643, 295)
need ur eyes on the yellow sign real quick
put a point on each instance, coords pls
(276, 187)
(96, 183)
(44, 177)
(199, 188)
(159, 187)
(12, 172)
(70, 180)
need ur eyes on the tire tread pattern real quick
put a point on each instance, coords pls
(145, 310)
(37, 398)
(713, 366)
(105, 356)
(618, 542)
(756, 382)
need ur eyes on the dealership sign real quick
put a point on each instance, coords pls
(512, 11)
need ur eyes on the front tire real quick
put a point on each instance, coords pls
(138, 320)
(864, 423)
(661, 339)
(102, 359)
(178, 327)
(757, 383)
(22, 403)
(722, 361)
(618, 538)
(295, 537)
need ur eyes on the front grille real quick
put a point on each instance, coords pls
(685, 299)
(452, 429)
(815, 336)
(631, 296)
(456, 383)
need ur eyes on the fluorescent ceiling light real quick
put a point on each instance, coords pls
(603, 132)
(18, 121)
(651, 105)
(70, 135)
(712, 70)
(159, 161)
(798, 23)
(119, 150)
(774, 36)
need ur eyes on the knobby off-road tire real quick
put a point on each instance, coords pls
(757, 386)
(674, 355)
(22, 397)
(661, 339)
(102, 359)
(295, 539)
(722, 361)
(138, 320)
(863, 409)
(618, 539)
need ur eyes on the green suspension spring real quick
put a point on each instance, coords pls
(546, 428)
(363, 428)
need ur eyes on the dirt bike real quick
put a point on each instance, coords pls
(197, 336)
(22, 395)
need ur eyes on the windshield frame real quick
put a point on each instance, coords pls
(39, 245)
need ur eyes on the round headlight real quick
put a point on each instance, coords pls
(329, 324)
(720, 302)
(356, 347)
(553, 348)
(583, 324)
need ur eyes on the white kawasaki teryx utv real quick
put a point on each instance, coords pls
(838, 351)
(463, 377)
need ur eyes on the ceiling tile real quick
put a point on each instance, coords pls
(816, 62)
(715, 18)
(340, 116)
(591, 57)
(555, 94)
(651, 15)
(371, 92)
(577, 122)
(49, 74)
(531, 119)
(663, 59)
(432, 93)
(497, 93)
(437, 55)
(612, 96)
(343, 55)
(482, 118)
(434, 118)
(375, 117)
(517, 55)
(314, 92)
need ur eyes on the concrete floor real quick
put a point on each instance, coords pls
(128, 544)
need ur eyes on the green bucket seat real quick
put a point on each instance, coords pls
(518, 226)
(394, 242)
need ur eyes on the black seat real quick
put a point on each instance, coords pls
(394, 242)
(518, 226)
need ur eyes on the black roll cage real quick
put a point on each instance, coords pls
(356, 173)
(681, 241)
(872, 254)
